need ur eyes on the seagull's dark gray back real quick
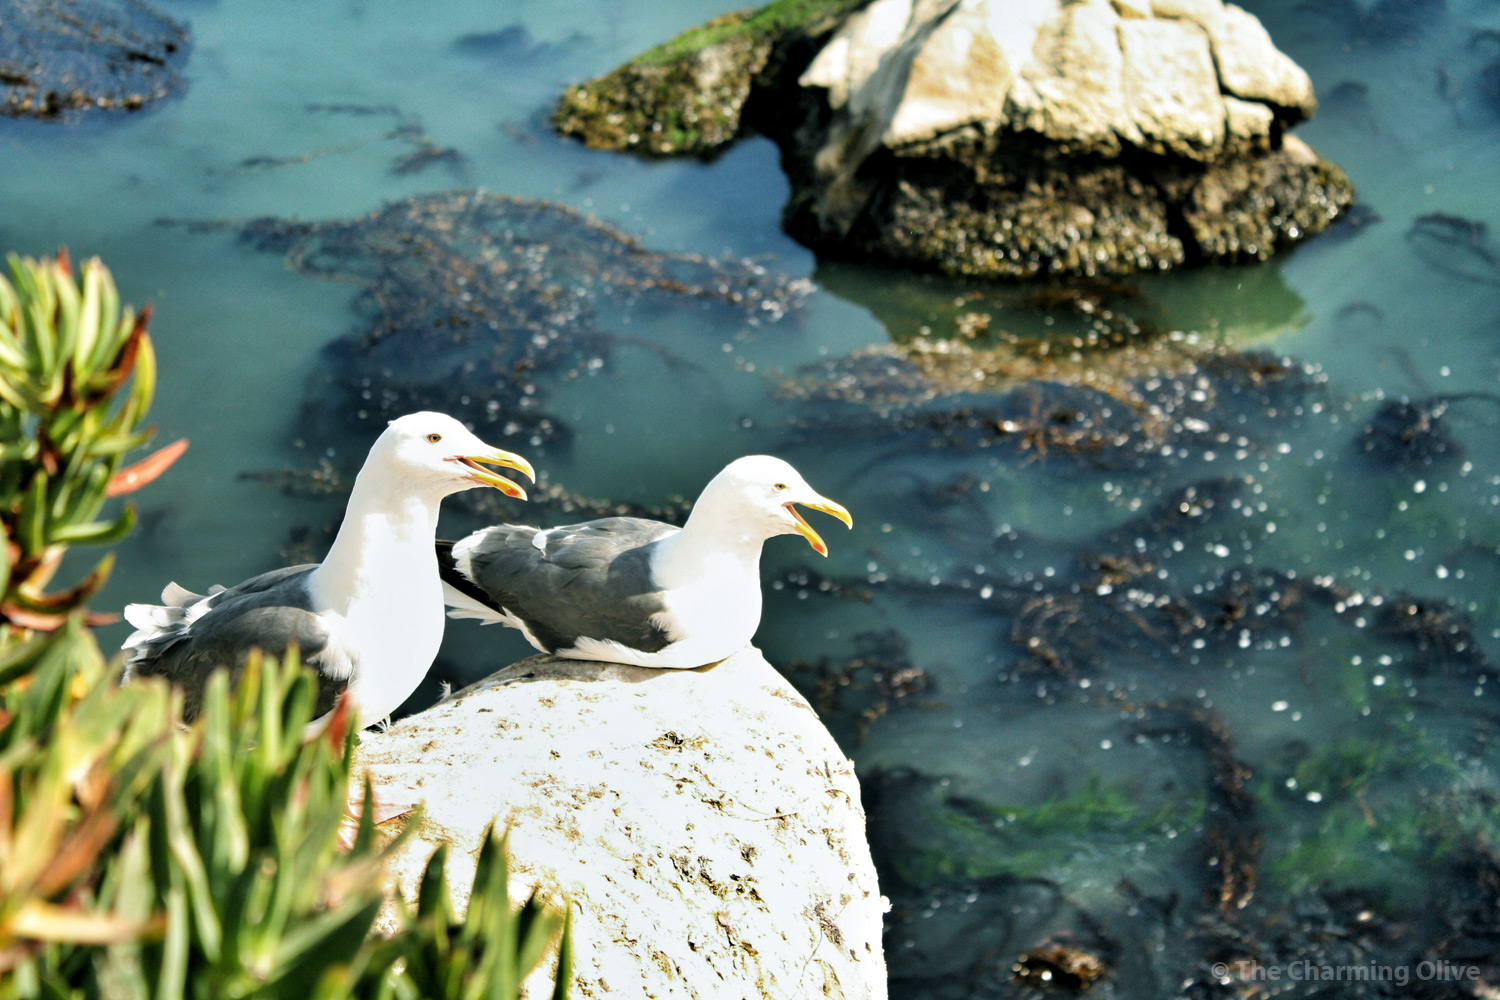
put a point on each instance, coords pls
(270, 612)
(594, 580)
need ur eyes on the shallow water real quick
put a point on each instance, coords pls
(1016, 800)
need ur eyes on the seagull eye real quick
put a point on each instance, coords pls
(434, 438)
(779, 487)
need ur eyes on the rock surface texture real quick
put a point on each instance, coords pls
(58, 56)
(1011, 138)
(703, 825)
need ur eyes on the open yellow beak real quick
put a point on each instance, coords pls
(827, 506)
(505, 459)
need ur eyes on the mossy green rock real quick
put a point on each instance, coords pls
(684, 101)
(688, 95)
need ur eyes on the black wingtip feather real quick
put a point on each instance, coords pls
(448, 571)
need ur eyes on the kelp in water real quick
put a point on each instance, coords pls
(473, 303)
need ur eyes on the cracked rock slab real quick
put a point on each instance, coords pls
(703, 825)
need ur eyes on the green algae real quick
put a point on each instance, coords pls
(767, 23)
(688, 103)
(1358, 821)
(1093, 824)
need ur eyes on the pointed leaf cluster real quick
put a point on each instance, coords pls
(68, 348)
(145, 860)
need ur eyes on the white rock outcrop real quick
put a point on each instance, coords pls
(702, 824)
(1002, 138)
(1169, 77)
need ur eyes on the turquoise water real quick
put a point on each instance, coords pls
(995, 772)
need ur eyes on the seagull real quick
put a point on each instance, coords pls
(369, 617)
(636, 591)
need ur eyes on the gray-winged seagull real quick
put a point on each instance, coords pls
(369, 617)
(629, 590)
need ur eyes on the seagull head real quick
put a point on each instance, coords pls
(764, 491)
(435, 451)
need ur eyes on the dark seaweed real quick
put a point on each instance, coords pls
(1406, 433)
(1456, 246)
(60, 59)
(475, 302)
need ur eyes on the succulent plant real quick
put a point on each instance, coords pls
(141, 859)
(67, 348)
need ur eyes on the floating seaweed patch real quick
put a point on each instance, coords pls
(1231, 835)
(1087, 369)
(1061, 965)
(514, 47)
(1119, 405)
(424, 151)
(263, 162)
(930, 836)
(474, 303)
(1441, 633)
(1405, 432)
(1456, 246)
(1316, 860)
(879, 677)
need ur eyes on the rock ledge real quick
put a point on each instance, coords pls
(703, 824)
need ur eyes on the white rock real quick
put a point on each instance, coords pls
(703, 825)
(958, 75)
(1250, 65)
(1247, 125)
(1170, 87)
(1088, 75)
(1072, 89)
(852, 56)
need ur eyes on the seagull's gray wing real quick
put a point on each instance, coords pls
(190, 636)
(588, 580)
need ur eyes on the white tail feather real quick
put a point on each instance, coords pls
(465, 606)
(178, 597)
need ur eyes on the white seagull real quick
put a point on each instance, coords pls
(369, 617)
(630, 590)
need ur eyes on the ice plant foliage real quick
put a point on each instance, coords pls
(67, 418)
(141, 858)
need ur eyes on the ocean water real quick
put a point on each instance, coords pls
(1077, 694)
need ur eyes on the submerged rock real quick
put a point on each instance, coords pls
(703, 825)
(997, 138)
(58, 56)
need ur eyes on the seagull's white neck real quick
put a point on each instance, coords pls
(383, 530)
(712, 535)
